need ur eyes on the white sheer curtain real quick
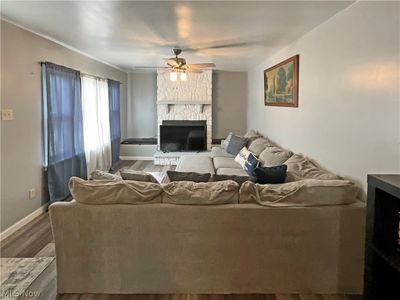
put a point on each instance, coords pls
(96, 123)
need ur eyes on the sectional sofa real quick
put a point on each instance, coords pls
(303, 236)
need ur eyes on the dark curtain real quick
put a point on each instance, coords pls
(63, 128)
(115, 116)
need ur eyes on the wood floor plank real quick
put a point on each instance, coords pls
(311, 297)
(48, 251)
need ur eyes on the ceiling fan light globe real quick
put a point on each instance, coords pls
(183, 76)
(173, 76)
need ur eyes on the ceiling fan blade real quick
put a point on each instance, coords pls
(193, 70)
(147, 67)
(203, 65)
(171, 62)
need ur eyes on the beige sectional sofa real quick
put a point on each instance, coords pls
(304, 236)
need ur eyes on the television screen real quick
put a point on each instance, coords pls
(182, 138)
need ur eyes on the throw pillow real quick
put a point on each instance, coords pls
(103, 175)
(238, 179)
(242, 156)
(188, 176)
(251, 164)
(137, 175)
(274, 156)
(235, 144)
(271, 174)
(225, 142)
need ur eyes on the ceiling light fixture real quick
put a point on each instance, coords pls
(183, 76)
(173, 76)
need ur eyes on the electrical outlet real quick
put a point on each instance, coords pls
(32, 194)
(7, 114)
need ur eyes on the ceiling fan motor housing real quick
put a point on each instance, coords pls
(177, 51)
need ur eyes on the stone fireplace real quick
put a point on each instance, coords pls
(189, 100)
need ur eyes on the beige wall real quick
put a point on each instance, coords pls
(142, 107)
(229, 103)
(348, 117)
(21, 139)
(229, 94)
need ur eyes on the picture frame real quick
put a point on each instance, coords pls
(281, 83)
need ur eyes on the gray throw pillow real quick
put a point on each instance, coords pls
(188, 176)
(137, 176)
(235, 178)
(225, 142)
(236, 144)
(103, 175)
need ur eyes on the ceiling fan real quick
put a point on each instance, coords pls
(177, 65)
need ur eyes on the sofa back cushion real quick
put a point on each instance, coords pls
(300, 167)
(258, 145)
(103, 175)
(274, 156)
(114, 192)
(202, 193)
(307, 192)
(236, 178)
(127, 174)
(188, 176)
(251, 135)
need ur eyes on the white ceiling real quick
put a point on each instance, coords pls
(129, 34)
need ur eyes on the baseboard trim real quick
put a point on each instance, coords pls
(17, 226)
(136, 158)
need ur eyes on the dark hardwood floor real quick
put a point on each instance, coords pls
(35, 240)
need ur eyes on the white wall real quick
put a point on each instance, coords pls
(348, 117)
(21, 138)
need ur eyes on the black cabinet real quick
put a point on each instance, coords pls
(382, 248)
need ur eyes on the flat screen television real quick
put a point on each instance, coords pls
(175, 138)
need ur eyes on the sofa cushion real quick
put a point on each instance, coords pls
(271, 174)
(195, 163)
(128, 174)
(300, 167)
(307, 192)
(203, 193)
(236, 144)
(274, 156)
(258, 145)
(231, 171)
(219, 152)
(251, 135)
(235, 178)
(225, 162)
(103, 175)
(188, 176)
(114, 192)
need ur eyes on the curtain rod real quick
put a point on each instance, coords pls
(90, 75)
